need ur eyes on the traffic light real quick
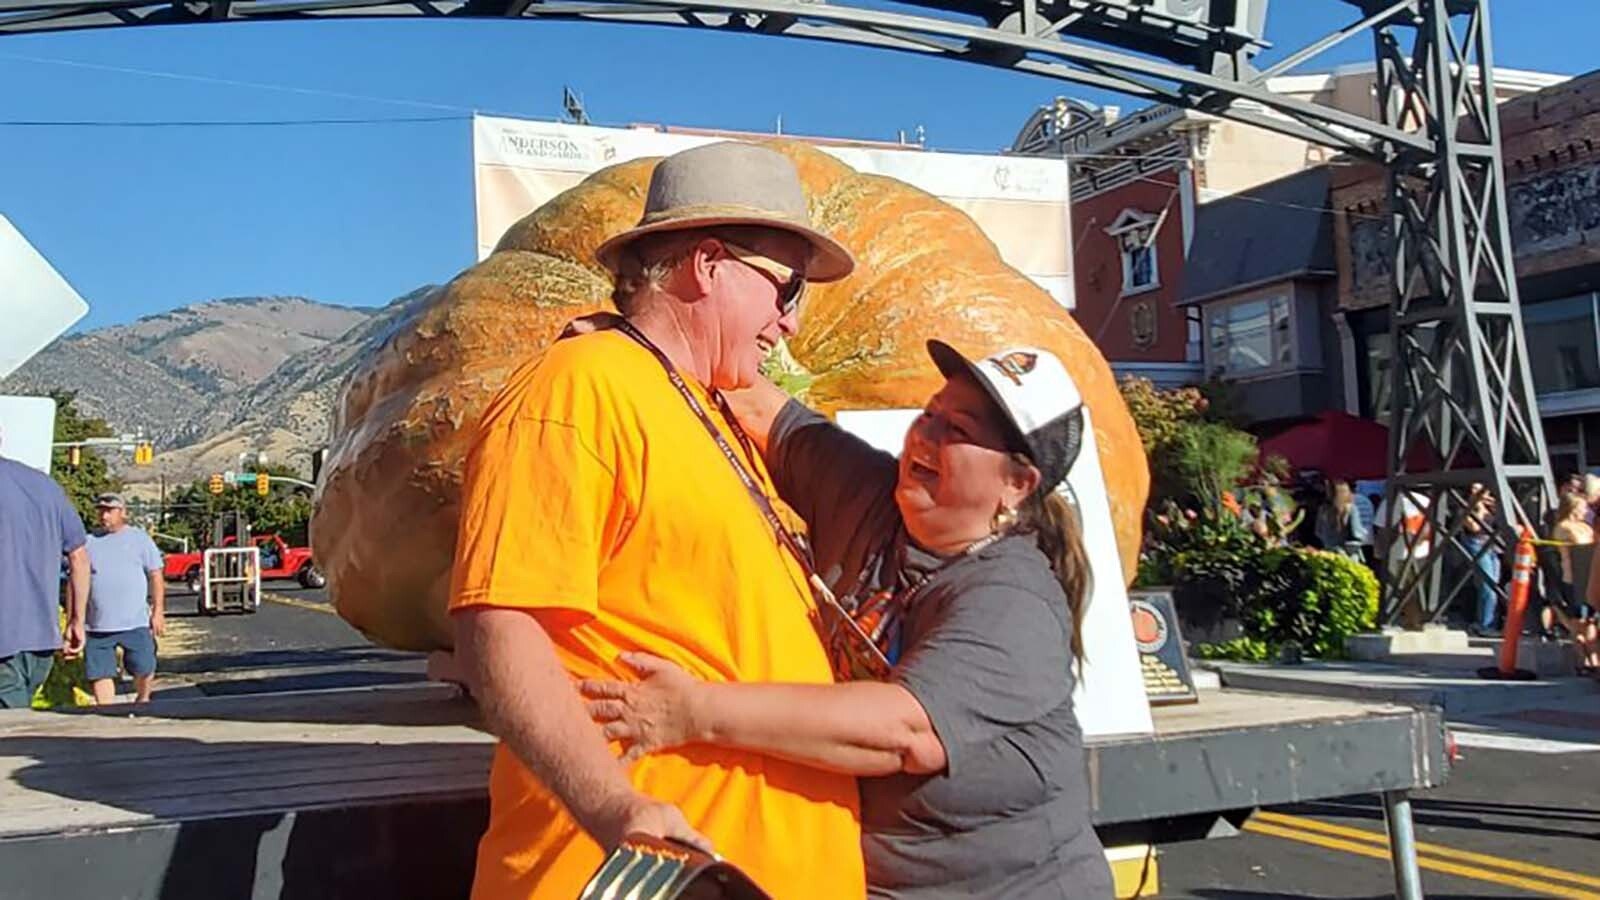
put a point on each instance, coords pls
(74, 456)
(143, 454)
(263, 484)
(215, 486)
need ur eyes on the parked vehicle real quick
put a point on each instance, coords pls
(279, 561)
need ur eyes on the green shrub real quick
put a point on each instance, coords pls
(66, 685)
(1348, 593)
(1245, 649)
(1279, 595)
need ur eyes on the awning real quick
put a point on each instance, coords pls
(1340, 446)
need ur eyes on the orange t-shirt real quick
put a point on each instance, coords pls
(595, 499)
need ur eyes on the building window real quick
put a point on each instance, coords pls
(1563, 344)
(1135, 233)
(1251, 336)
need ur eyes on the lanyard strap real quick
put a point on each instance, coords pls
(792, 542)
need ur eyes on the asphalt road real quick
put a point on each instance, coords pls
(1521, 819)
(294, 641)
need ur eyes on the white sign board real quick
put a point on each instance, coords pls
(36, 303)
(27, 429)
(1023, 204)
(1110, 697)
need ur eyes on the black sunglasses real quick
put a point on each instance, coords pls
(791, 286)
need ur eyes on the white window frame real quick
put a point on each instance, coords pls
(1134, 230)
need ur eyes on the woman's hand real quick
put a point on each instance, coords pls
(600, 321)
(664, 709)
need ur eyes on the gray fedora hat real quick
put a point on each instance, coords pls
(731, 183)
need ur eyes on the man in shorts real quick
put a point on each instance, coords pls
(127, 603)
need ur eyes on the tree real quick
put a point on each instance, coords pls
(91, 477)
(1213, 458)
(193, 509)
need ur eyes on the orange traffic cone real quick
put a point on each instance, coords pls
(1516, 610)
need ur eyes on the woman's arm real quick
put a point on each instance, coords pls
(757, 407)
(859, 728)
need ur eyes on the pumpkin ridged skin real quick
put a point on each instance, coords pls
(386, 516)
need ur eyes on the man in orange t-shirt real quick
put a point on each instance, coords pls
(600, 515)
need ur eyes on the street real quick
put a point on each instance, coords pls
(1519, 817)
(294, 642)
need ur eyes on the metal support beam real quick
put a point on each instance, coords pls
(940, 27)
(1402, 845)
(1462, 397)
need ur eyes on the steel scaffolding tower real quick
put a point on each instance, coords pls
(1461, 387)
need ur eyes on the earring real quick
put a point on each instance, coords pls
(1004, 518)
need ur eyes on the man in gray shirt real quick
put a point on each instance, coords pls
(37, 528)
(127, 603)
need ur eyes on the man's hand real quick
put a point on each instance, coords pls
(642, 815)
(72, 643)
(158, 623)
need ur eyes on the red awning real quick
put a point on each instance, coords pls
(1340, 446)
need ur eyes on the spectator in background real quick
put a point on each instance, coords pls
(1591, 497)
(1570, 608)
(38, 526)
(127, 603)
(1340, 528)
(1404, 533)
(1478, 539)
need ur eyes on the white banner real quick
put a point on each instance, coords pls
(27, 430)
(1021, 203)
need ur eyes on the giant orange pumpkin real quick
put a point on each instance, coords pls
(385, 523)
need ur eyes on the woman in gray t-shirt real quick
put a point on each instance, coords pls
(965, 574)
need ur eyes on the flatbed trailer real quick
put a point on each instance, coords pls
(381, 792)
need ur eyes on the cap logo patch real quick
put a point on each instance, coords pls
(1015, 364)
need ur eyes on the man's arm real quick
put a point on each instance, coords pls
(530, 703)
(77, 599)
(158, 602)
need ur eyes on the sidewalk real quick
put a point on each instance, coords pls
(1446, 680)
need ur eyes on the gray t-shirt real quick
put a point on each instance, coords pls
(986, 651)
(119, 582)
(37, 527)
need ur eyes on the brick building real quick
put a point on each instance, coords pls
(1139, 182)
(1552, 159)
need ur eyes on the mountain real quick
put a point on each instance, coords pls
(213, 380)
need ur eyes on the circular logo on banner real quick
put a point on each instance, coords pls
(1149, 628)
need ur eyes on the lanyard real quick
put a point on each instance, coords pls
(882, 613)
(791, 541)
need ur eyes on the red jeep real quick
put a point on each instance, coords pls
(278, 561)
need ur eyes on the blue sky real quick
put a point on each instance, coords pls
(144, 219)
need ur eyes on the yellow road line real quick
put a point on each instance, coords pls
(1546, 888)
(1498, 862)
(300, 604)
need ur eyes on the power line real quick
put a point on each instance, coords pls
(221, 123)
(1264, 202)
(232, 82)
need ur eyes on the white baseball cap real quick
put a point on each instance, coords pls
(1039, 401)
